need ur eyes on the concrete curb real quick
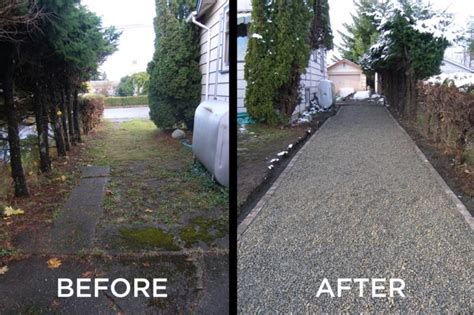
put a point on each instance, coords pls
(459, 205)
(263, 201)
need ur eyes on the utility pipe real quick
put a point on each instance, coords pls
(192, 18)
(219, 54)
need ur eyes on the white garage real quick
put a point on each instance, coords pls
(347, 75)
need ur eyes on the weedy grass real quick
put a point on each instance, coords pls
(154, 181)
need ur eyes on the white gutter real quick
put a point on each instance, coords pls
(192, 18)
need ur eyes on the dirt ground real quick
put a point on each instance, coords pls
(459, 177)
(257, 145)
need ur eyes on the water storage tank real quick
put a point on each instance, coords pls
(327, 93)
(211, 138)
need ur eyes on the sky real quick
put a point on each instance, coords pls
(340, 12)
(136, 45)
(135, 19)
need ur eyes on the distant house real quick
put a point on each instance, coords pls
(105, 88)
(451, 66)
(347, 75)
(214, 15)
(315, 71)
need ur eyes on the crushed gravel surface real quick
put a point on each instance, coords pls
(358, 203)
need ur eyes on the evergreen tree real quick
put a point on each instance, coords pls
(411, 47)
(362, 32)
(175, 77)
(282, 35)
(125, 86)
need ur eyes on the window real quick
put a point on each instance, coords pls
(225, 43)
(242, 41)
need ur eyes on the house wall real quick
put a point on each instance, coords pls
(348, 76)
(315, 72)
(215, 20)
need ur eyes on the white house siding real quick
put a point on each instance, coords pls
(241, 85)
(215, 20)
(315, 72)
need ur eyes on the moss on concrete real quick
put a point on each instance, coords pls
(148, 237)
(202, 229)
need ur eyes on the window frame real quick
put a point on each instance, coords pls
(225, 48)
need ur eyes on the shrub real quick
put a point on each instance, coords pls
(92, 109)
(175, 77)
(126, 101)
(448, 115)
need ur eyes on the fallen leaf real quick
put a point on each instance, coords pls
(3, 270)
(148, 210)
(54, 263)
(11, 211)
(146, 264)
(30, 173)
(87, 274)
(63, 178)
(55, 304)
(108, 192)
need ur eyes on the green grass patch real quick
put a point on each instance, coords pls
(203, 229)
(468, 155)
(148, 237)
(5, 252)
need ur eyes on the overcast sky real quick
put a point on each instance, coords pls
(136, 20)
(136, 46)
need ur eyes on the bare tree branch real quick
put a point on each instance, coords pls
(19, 18)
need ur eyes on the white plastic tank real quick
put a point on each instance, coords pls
(211, 138)
(327, 93)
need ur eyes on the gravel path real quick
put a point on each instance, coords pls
(358, 203)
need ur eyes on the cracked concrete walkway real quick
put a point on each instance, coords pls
(359, 202)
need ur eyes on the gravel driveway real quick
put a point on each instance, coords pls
(358, 203)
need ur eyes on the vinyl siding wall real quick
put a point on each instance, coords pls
(214, 20)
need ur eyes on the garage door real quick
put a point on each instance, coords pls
(346, 81)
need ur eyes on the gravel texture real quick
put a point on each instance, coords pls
(358, 203)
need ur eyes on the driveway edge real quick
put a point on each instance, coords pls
(263, 201)
(459, 205)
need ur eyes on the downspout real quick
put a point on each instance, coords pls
(192, 18)
(220, 54)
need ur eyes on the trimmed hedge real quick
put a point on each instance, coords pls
(126, 101)
(92, 110)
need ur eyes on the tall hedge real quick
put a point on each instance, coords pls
(175, 77)
(282, 34)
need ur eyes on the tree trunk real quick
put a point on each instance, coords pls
(56, 124)
(18, 175)
(64, 122)
(75, 116)
(42, 127)
(67, 89)
(410, 99)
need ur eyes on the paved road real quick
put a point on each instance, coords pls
(358, 203)
(122, 114)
